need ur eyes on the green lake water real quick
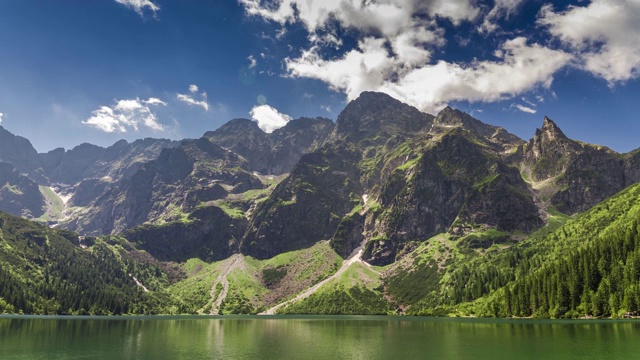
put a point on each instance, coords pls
(321, 337)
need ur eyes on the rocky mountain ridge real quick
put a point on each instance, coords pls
(389, 210)
(384, 175)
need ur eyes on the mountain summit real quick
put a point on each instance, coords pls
(377, 114)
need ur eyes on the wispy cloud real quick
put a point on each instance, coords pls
(190, 99)
(268, 118)
(140, 5)
(523, 108)
(1, 116)
(125, 115)
(252, 62)
(501, 9)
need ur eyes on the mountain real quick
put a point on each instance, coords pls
(573, 175)
(389, 210)
(88, 161)
(272, 153)
(390, 175)
(19, 152)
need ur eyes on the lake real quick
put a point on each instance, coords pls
(313, 337)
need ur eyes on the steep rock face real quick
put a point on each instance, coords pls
(576, 175)
(209, 234)
(168, 188)
(274, 153)
(550, 151)
(373, 115)
(19, 195)
(18, 151)
(591, 177)
(246, 139)
(458, 183)
(326, 185)
(295, 139)
(307, 206)
(632, 167)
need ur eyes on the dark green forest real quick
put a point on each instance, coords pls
(45, 271)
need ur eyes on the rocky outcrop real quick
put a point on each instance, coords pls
(19, 195)
(449, 117)
(379, 116)
(550, 151)
(578, 175)
(307, 206)
(458, 184)
(209, 234)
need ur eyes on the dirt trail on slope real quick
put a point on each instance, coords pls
(229, 265)
(144, 288)
(356, 256)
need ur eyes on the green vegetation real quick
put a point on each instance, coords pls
(233, 212)
(194, 292)
(42, 271)
(54, 205)
(13, 189)
(356, 291)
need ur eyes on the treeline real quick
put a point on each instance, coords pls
(601, 280)
(43, 272)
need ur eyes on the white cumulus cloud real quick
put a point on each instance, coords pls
(1, 116)
(140, 5)
(605, 34)
(399, 42)
(125, 115)
(268, 118)
(520, 67)
(190, 99)
(387, 16)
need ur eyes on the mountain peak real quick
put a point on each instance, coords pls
(449, 116)
(373, 113)
(550, 130)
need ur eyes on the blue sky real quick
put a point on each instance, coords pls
(98, 71)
